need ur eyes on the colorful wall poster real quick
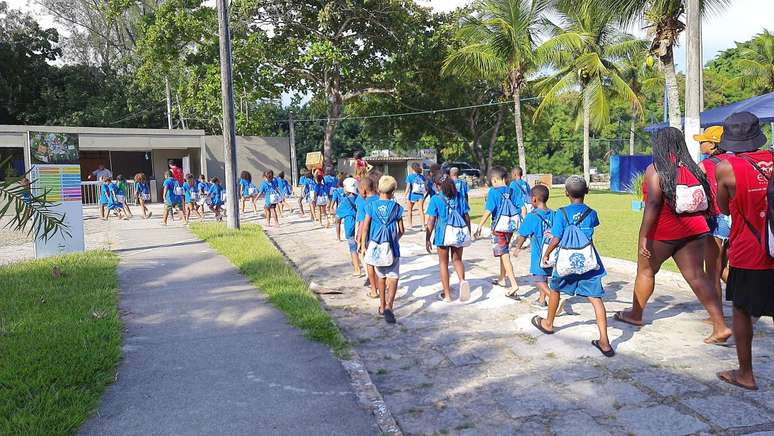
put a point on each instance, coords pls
(56, 172)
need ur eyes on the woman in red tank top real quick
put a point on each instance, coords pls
(664, 233)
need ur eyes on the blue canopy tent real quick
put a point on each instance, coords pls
(762, 106)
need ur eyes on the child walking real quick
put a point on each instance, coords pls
(215, 194)
(505, 221)
(191, 193)
(587, 284)
(336, 198)
(346, 212)
(450, 237)
(173, 198)
(122, 193)
(284, 190)
(416, 189)
(537, 227)
(247, 190)
(382, 230)
(319, 199)
(520, 189)
(270, 191)
(367, 195)
(142, 193)
(303, 182)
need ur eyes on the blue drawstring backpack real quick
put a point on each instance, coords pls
(379, 249)
(546, 242)
(577, 254)
(509, 216)
(456, 232)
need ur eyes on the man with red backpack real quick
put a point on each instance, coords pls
(745, 192)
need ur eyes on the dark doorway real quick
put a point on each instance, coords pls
(11, 162)
(130, 163)
(91, 160)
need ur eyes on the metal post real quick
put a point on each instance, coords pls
(169, 103)
(293, 162)
(229, 135)
(692, 76)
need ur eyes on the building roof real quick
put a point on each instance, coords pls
(5, 128)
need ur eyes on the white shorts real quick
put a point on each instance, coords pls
(389, 272)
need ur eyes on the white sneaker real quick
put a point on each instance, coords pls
(464, 291)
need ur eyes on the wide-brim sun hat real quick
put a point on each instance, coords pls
(742, 133)
(350, 185)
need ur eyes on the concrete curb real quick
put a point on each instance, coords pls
(367, 394)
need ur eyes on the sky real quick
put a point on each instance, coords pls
(738, 22)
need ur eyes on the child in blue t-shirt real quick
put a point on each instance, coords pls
(191, 194)
(346, 213)
(172, 192)
(269, 189)
(336, 198)
(304, 182)
(537, 227)
(520, 190)
(247, 191)
(384, 213)
(215, 193)
(438, 214)
(112, 204)
(331, 182)
(142, 193)
(498, 193)
(319, 199)
(460, 185)
(367, 189)
(285, 191)
(416, 189)
(588, 285)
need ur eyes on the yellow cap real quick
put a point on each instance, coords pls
(711, 134)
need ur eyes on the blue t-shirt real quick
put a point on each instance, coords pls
(141, 188)
(267, 188)
(330, 184)
(284, 186)
(462, 190)
(319, 189)
(379, 211)
(338, 196)
(574, 212)
(304, 182)
(439, 209)
(494, 200)
(520, 190)
(189, 191)
(104, 193)
(362, 203)
(534, 226)
(244, 187)
(413, 180)
(203, 187)
(169, 194)
(216, 194)
(347, 211)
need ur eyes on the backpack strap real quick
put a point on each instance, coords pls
(583, 216)
(714, 159)
(351, 203)
(756, 166)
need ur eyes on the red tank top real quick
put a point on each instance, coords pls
(671, 226)
(749, 203)
(710, 164)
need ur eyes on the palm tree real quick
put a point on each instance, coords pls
(498, 43)
(638, 72)
(757, 62)
(582, 51)
(663, 19)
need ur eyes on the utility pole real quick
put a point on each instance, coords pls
(229, 134)
(693, 69)
(169, 103)
(293, 162)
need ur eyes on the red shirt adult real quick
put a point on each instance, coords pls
(748, 205)
(710, 164)
(177, 173)
(673, 227)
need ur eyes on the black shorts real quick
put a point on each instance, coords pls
(751, 290)
(680, 243)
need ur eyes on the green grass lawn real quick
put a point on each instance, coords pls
(266, 268)
(619, 225)
(60, 341)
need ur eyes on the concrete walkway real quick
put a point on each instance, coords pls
(205, 353)
(481, 368)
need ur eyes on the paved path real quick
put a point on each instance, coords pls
(205, 353)
(481, 368)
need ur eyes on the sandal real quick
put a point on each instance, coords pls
(464, 291)
(538, 323)
(618, 316)
(730, 378)
(389, 317)
(443, 298)
(497, 282)
(606, 353)
(374, 296)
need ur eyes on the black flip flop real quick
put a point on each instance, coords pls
(618, 317)
(606, 353)
(389, 317)
(537, 322)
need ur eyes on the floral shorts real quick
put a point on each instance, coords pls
(501, 242)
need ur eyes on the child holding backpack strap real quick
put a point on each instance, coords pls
(537, 227)
(381, 232)
(449, 220)
(506, 219)
(578, 269)
(270, 191)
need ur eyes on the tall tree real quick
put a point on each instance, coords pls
(498, 43)
(638, 72)
(334, 49)
(664, 21)
(583, 50)
(756, 62)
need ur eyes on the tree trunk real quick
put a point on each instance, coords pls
(335, 104)
(673, 92)
(632, 126)
(516, 95)
(586, 137)
(492, 142)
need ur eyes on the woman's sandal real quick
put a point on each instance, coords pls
(538, 323)
(606, 353)
(618, 316)
(730, 378)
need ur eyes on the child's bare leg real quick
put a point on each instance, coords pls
(381, 288)
(242, 202)
(301, 205)
(127, 210)
(267, 216)
(459, 267)
(422, 212)
(443, 265)
(553, 306)
(338, 231)
(410, 214)
(506, 263)
(276, 217)
(601, 315)
(543, 290)
(166, 215)
(356, 263)
(392, 289)
(372, 281)
(184, 213)
(255, 206)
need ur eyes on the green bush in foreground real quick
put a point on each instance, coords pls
(266, 268)
(60, 341)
